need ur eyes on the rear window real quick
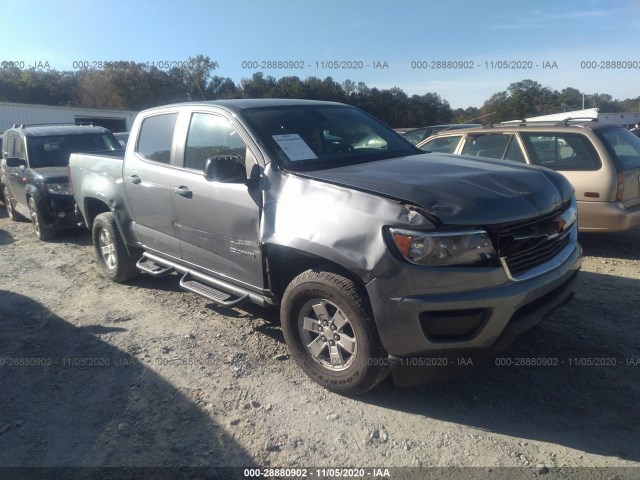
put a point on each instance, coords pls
(156, 137)
(562, 151)
(623, 147)
(54, 150)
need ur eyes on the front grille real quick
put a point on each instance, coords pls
(526, 245)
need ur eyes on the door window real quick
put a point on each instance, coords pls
(156, 137)
(491, 146)
(562, 151)
(15, 147)
(514, 152)
(442, 145)
(210, 136)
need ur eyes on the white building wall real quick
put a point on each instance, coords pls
(621, 118)
(22, 113)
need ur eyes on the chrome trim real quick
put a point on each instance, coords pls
(552, 264)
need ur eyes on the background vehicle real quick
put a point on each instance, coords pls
(34, 178)
(601, 161)
(417, 135)
(378, 256)
(122, 138)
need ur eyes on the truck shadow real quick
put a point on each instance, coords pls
(76, 236)
(622, 245)
(589, 401)
(71, 399)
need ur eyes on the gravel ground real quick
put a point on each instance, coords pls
(94, 373)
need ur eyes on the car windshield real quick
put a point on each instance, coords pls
(54, 150)
(318, 137)
(623, 146)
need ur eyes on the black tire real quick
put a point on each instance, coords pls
(114, 261)
(10, 204)
(319, 293)
(43, 231)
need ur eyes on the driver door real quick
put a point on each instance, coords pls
(217, 222)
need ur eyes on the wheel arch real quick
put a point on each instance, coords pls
(92, 208)
(283, 264)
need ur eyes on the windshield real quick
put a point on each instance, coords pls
(317, 137)
(54, 150)
(623, 146)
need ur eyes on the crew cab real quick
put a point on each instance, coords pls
(380, 257)
(34, 178)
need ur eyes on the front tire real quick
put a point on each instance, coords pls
(43, 231)
(329, 328)
(11, 210)
(114, 261)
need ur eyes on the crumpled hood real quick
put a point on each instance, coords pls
(458, 190)
(52, 173)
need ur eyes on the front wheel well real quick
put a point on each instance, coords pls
(283, 264)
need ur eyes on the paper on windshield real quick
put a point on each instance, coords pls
(294, 147)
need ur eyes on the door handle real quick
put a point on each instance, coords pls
(183, 192)
(134, 179)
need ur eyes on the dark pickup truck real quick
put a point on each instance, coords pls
(380, 257)
(33, 178)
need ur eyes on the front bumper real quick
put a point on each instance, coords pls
(437, 336)
(59, 211)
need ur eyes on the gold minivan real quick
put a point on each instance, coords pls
(601, 161)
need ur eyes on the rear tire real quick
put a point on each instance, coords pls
(11, 210)
(329, 329)
(114, 261)
(43, 231)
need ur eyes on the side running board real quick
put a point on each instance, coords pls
(218, 297)
(217, 290)
(152, 268)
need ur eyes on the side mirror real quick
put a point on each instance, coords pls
(252, 168)
(225, 168)
(15, 162)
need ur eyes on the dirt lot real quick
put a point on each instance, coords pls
(94, 373)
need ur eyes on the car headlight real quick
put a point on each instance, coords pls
(57, 188)
(437, 249)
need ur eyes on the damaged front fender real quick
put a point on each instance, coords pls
(340, 224)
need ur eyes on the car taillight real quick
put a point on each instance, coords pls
(620, 191)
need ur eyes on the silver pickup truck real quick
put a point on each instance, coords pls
(380, 257)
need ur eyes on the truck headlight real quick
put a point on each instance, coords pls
(57, 188)
(437, 249)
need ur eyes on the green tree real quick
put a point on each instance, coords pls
(221, 88)
(258, 86)
(96, 90)
(570, 99)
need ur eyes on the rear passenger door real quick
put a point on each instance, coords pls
(147, 183)
(217, 221)
(571, 154)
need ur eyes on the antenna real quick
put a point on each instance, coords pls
(201, 92)
(478, 118)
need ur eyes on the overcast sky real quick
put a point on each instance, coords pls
(314, 37)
